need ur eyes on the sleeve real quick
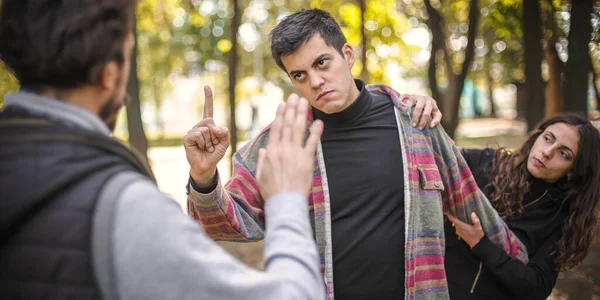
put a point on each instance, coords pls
(534, 280)
(233, 212)
(159, 253)
(473, 157)
(461, 196)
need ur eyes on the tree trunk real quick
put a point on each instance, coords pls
(596, 91)
(577, 68)
(554, 88)
(160, 126)
(456, 85)
(435, 92)
(554, 94)
(532, 37)
(437, 26)
(233, 66)
(475, 102)
(137, 137)
(435, 23)
(364, 74)
(451, 100)
(521, 106)
(489, 37)
(490, 81)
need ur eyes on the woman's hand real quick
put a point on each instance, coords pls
(471, 234)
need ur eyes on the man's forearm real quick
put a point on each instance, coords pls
(186, 263)
(232, 212)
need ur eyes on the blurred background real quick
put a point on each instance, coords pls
(495, 68)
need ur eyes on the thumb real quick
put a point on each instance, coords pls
(220, 132)
(475, 219)
(451, 218)
(261, 158)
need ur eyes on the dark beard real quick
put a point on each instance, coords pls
(110, 110)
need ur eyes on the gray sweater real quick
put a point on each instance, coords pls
(159, 253)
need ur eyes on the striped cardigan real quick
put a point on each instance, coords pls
(436, 180)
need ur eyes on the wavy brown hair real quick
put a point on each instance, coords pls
(511, 181)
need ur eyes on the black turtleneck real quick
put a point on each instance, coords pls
(363, 160)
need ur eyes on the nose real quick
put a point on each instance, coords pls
(316, 81)
(547, 152)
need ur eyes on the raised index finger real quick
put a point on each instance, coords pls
(208, 102)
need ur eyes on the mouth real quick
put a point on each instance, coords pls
(539, 163)
(323, 94)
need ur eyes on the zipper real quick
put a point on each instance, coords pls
(536, 200)
(481, 263)
(476, 278)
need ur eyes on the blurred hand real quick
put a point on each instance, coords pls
(424, 107)
(471, 234)
(286, 164)
(205, 144)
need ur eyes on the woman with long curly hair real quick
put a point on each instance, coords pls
(547, 192)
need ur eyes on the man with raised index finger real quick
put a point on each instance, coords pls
(81, 216)
(380, 184)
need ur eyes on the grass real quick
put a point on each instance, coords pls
(510, 141)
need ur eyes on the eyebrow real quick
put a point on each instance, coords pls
(315, 62)
(562, 146)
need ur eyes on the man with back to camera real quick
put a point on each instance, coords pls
(380, 185)
(81, 216)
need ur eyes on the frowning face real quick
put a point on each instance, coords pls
(322, 75)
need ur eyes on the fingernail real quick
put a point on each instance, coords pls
(218, 130)
(414, 124)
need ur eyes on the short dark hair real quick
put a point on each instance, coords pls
(299, 27)
(63, 44)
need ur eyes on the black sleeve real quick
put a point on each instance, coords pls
(532, 281)
(477, 158)
(202, 189)
(479, 161)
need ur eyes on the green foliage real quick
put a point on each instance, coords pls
(161, 46)
(499, 38)
(384, 29)
(8, 83)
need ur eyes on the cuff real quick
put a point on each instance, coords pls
(203, 189)
(285, 207)
(205, 197)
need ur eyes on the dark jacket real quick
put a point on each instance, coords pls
(486, 272)
(50, 180)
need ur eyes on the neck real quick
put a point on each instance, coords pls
(354, 111)
(355, 92)
(86, 97)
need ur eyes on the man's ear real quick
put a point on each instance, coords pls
(108, 76)
(348, 52)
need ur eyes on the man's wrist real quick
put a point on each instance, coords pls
(204, 189)
(203, 179)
